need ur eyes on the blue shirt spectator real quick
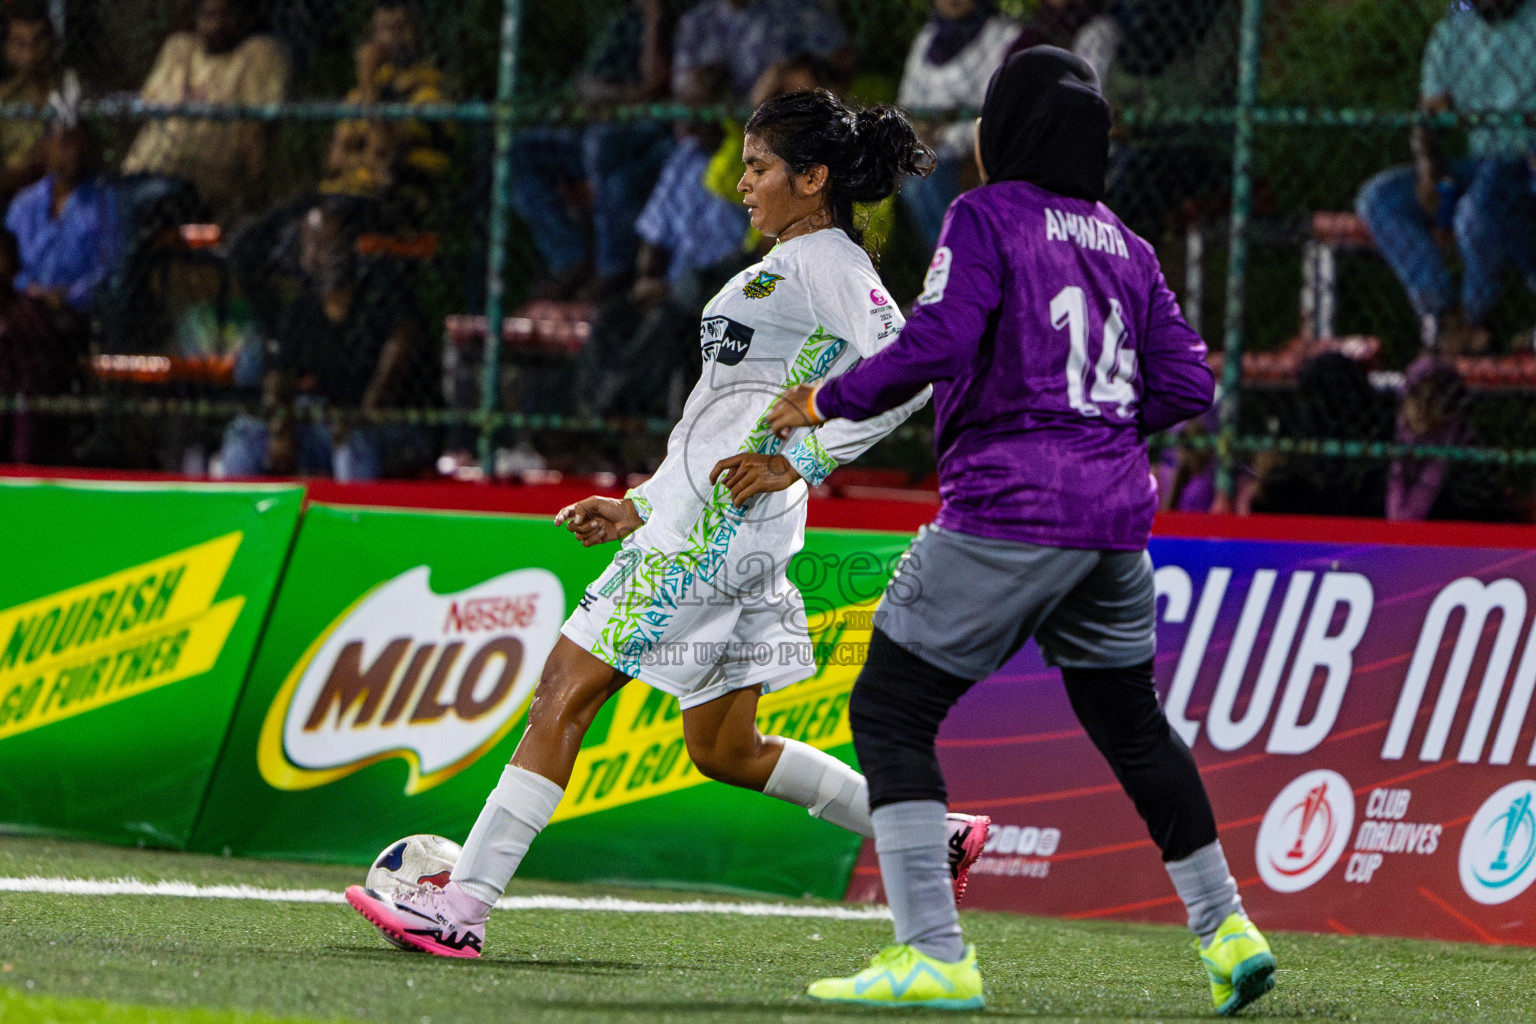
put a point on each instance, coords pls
(1479, 61)
(740, 39)
(66, 225)
(619, 160)
(684, 217)
(1483, 61)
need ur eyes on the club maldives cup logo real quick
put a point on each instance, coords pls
(434, 679)
(1498, 851)
(1305, 831)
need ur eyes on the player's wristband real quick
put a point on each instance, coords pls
(815, 412)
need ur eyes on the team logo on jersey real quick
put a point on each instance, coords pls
(1305, 830)
(724, 340)
(1498, 853)
(761, 286)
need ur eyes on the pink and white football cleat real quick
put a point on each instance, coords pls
(422, 919)
(967, 838)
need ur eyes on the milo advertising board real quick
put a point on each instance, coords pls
(394, 681)
(128, 616)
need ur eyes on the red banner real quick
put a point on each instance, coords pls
(1360, 713)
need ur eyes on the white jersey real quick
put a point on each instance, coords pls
(809, 310)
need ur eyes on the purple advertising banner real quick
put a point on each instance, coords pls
(1359, 711)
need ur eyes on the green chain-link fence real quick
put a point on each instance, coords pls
(294, 270)
(1340, 404)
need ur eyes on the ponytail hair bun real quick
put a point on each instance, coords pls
(867, 152)
(886, 150)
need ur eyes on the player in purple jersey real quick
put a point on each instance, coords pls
(1054, 348)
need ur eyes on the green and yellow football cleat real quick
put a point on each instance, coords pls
(1239, 963)
(902, 976)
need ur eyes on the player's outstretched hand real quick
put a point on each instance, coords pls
(793, 410)
(750, 473)
(598, 520)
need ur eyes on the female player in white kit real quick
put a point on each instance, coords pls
(706, 542)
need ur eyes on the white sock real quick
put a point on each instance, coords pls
(515, 812)
(823, 785)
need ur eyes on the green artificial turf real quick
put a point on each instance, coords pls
(323, 963)
(18, 1008)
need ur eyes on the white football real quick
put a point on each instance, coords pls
(408, 864)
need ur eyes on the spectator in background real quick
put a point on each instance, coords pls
(67, 224)
(222, 61)
(383, 175)
(399, 164)
(801, 73)
(32, 64)
(618, 161)
(352, 342)
(1057, 23)
(1334, 402)
(640, 350)
(1478, 61)
(1434, 413)
(731, 43)
(1186, 472)
(947, 71)
(33, 359)
(684, 227)
(804, 72)
(1164, 50)
(1164, 53)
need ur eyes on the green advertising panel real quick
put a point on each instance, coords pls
(128, 617)
(393, 683)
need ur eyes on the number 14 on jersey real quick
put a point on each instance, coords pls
(1112, 379)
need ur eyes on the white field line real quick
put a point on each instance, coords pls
(602, 904)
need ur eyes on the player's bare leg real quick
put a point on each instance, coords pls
(573, 687)
(724, 744)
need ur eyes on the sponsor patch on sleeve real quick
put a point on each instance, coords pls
(938, 277)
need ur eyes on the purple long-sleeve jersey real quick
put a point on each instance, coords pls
(1054, 347)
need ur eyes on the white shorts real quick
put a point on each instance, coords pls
(658, 622)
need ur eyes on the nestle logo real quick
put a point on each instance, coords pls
(484, 614)
(436, 680)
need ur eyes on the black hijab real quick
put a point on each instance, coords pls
(1044, 122)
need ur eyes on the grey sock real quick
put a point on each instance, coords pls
(914, 864)
(1205, 884)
